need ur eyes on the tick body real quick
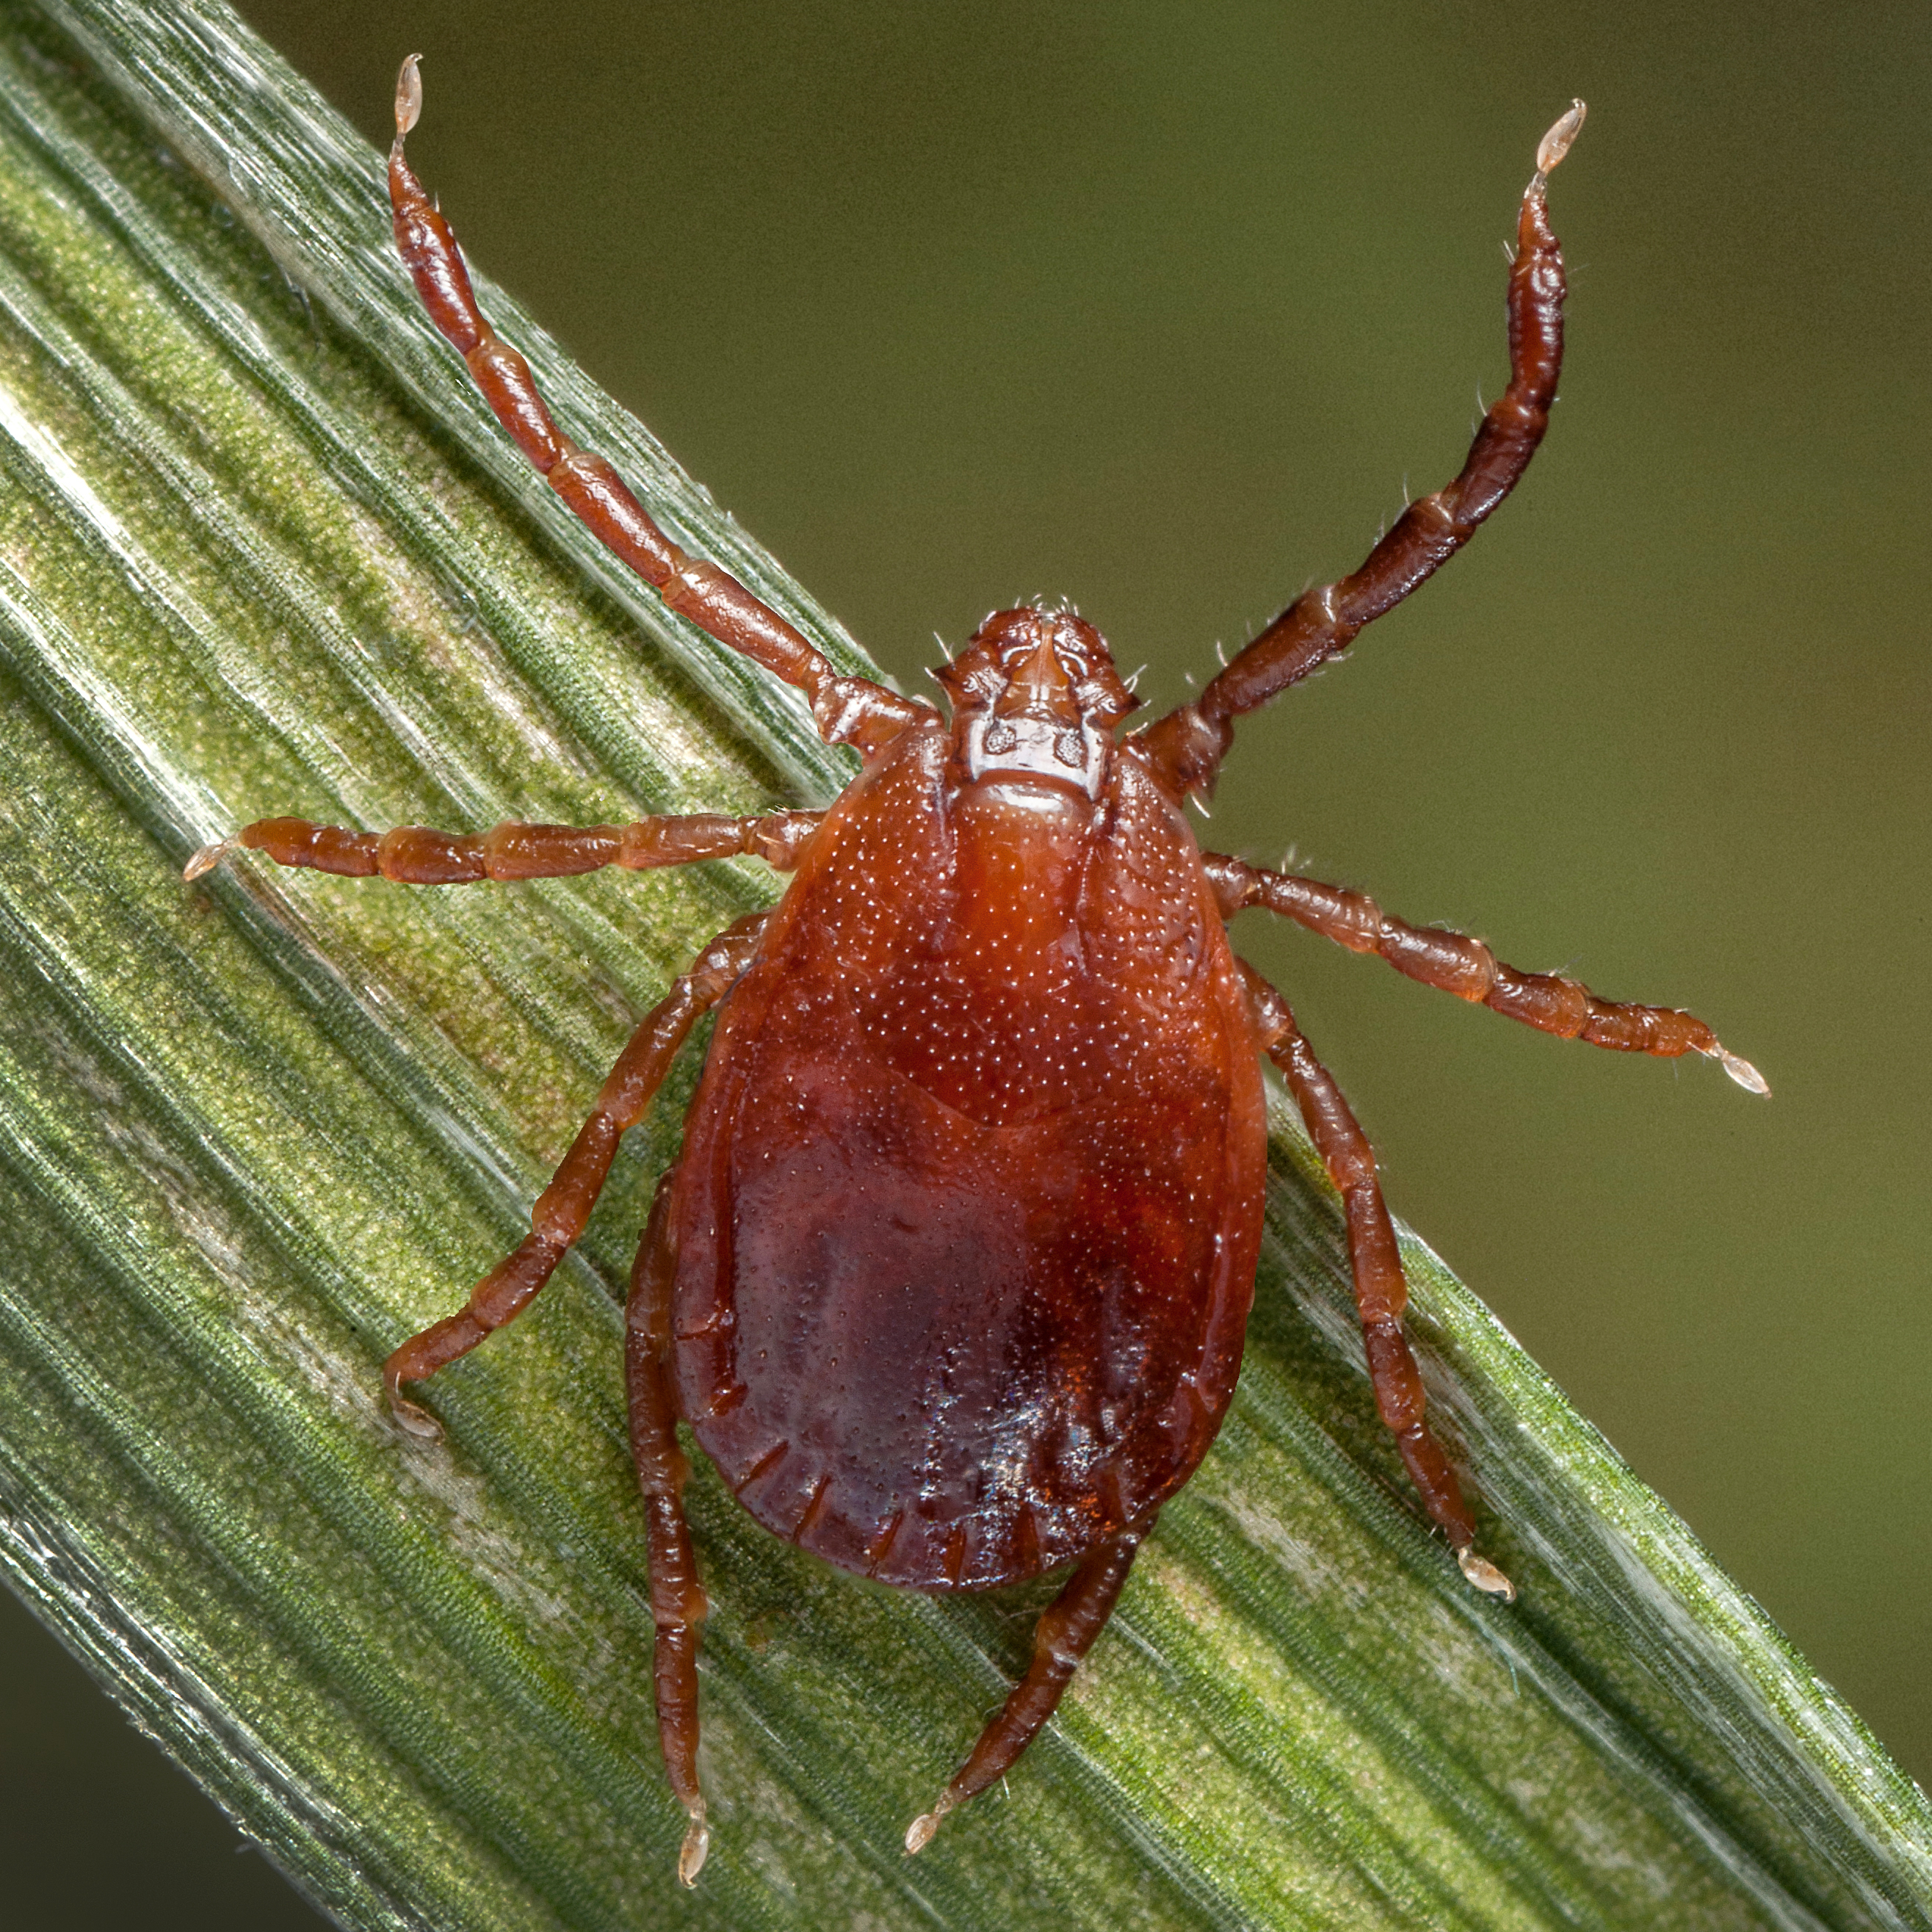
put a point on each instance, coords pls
(969, 1205)
(951, 1276)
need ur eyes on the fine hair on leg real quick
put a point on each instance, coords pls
(1381, 1289)
(416, 855)
(678, 1603)
(1186, 747)
(848, 710)
(1455, 964)
(1064, 1634)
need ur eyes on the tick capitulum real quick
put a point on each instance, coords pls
(951, 1277)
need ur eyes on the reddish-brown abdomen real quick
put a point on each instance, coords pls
(970, 1204)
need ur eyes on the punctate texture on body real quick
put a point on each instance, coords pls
(971, 1194)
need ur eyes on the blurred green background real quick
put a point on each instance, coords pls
(1158, 307)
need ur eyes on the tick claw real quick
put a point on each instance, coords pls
(1555, 144)
(918, 1833)
(1741, 1071)
(415, 1420)
(408, 95)
(696, 1848)
(205, 861)
(1485, 1575)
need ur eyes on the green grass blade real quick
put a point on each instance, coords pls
(261, 549)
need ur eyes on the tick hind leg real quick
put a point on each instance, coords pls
(677, 1598)
(1381, 1290)
(1064, 1634)
(564, 1207)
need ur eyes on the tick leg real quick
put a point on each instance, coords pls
(1063, 1635)
(1468, 969)
(678, 1605)
(1187, 746)
(413, 855)
(848, 710)
(1381, 1290)
(565, 1205)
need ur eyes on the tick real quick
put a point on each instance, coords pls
(951, 1277)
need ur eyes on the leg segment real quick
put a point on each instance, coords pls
(1381, 1291)
(848, 710)
(1468, 969)
(678, 1604)
(1063, 1635)
(413, 855)
(1186, 746)
(564, 1207)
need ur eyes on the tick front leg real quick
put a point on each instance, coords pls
(564, 1207)
(1063, 1635)
(413, 855)
(1468, 969)
(1186, 746)
(678, 1603)
(848, 710)
(1381, 1289)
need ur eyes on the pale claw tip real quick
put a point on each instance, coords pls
(205, 861)
(1484, 1574)
(1742, 1071)
(408, 95)
(1556, 143)
(918, 1833)
(696, 1848)
(415, 1420)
